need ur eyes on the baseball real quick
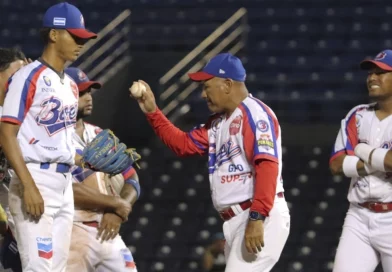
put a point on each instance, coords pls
(137, 89)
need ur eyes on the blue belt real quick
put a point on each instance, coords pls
(60, 167)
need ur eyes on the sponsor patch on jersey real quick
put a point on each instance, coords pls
(262, 125)
(48, 90)
(47, 81)
(45, 247)
(128, 259)
(235, 125)
(235, 178)
(265, 141)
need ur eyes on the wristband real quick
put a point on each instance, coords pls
(363, 151)
(378, 158)
(350, 166)
(135, 185)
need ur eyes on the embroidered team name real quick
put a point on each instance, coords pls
(227, 152)
(56, 117)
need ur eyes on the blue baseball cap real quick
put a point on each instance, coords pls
(69, 17)
(81, 79)
(224, 65)
(383, 60)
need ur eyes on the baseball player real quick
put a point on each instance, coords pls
(36, 133)
(243, 142)
(95, 243)
(11, 60)
(362, 153)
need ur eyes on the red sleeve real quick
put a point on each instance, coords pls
(180, 142)
(266, 176)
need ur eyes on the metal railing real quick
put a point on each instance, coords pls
(231, 36)
(102, 57)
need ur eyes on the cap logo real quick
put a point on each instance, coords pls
(221, 71)
(380, 56)
(82, 76)
(82, 20)
(58, 21)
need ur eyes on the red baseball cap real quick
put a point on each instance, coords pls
(81, 79)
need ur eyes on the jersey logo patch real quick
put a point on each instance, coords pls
(235, 125)
(54, 117)
(47, 81)
(128, 259)
(262, 125)
(45, 247)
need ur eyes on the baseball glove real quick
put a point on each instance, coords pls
(107, 154)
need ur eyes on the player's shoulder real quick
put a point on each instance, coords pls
(361, 108)
(254, 106)
(92, 128)
(28, 71)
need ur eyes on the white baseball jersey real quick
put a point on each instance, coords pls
(252, 132)
(45, 107)
(362, 126)
(88, 177)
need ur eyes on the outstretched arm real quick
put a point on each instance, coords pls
(180, 142)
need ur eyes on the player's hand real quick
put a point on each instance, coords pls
(147, 100)
(109, 227)
(254, 236)
(33, 201)
(122, 208)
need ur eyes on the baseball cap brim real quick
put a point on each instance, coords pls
(200, 76)
(82, 33)
(84, 86)
(368, 64)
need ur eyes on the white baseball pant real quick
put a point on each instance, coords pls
(44, 244)
(276, 232)
(366, 239)
(88, 254)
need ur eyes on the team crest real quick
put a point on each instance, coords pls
(82, 76)
(47, 81)
(380, 56)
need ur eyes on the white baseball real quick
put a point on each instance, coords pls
(137, 89)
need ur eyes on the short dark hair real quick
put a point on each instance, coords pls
(44, 34)
(8, 56)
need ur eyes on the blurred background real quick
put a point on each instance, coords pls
(302, 60)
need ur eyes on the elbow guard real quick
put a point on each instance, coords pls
(135, 185)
